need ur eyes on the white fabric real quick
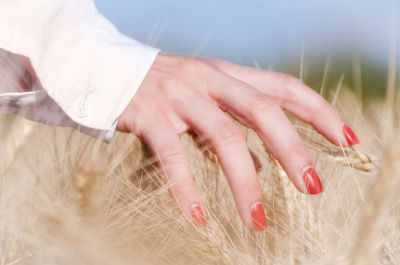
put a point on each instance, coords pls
(87, 71)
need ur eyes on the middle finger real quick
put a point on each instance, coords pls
(274, 128)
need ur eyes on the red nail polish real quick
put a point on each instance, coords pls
(350, 136)
(198, 216)
(312, 182)
(258, 218)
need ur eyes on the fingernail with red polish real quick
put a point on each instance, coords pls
(198, 215)
(350, 136)
(258, 218)
(312, 182)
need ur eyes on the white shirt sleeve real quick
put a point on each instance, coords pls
(88, 72)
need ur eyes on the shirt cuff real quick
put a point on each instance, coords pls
(95, 94)
(84, 63)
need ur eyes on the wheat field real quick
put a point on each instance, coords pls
(67, 198)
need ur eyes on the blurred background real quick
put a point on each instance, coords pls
(357, 38)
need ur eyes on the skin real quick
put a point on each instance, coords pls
(183, 93)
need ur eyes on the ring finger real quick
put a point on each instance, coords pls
(228, 142)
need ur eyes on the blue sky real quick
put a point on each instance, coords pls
(262, 30)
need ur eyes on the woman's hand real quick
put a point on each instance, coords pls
(181, 93)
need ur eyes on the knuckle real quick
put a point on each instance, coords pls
(214, 61)
(183, 187)
(263, 103)
(289, 79)
(199, 66)
(298, 149)
(171, 154)
(224, 65)
(168, 82)
(229, 133)
(260, 106)
(299, 152)
(218, 63)
(323, 108)
(249, 186)
(131, 123)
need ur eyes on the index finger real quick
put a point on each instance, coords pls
(297, 98)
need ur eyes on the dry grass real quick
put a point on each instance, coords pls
(66, 198)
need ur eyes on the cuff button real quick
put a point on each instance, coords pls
(81, 109)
